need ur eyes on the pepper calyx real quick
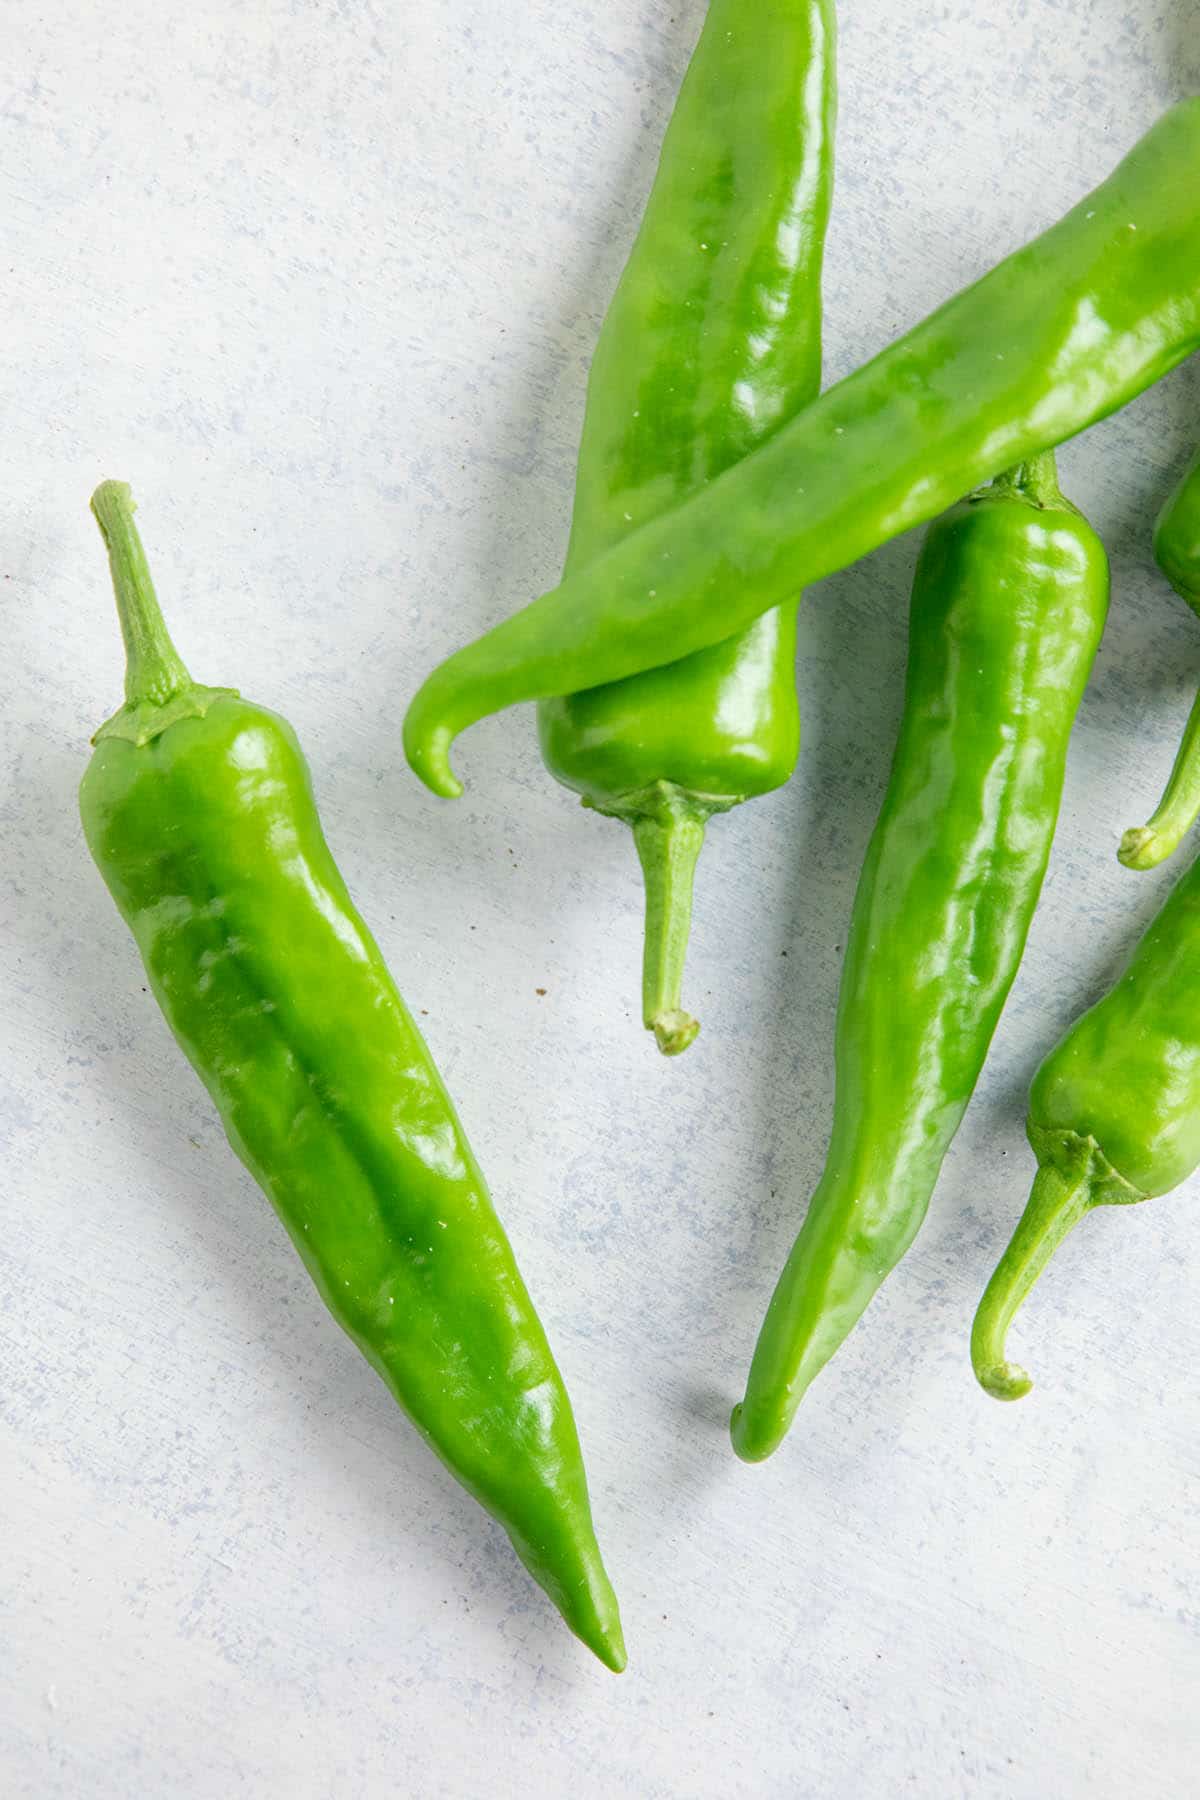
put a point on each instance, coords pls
(145, 720)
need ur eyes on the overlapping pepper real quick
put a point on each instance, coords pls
(711, 342)
(1058, 335)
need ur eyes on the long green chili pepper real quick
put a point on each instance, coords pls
(1177, 552)
(198, 810)
(1114, 1117)
(1059, 335)
(712, 341)
(1008, 605)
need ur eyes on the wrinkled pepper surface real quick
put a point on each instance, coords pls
(711, 342)
(1008, 605)
(198, 809)
(1057, 336)
(1177, 553)
(1114, 1117)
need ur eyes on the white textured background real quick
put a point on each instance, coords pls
(321, 281)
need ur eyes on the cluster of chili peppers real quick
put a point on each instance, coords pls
(713, 486)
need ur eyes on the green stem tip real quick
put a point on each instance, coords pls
(154, 670)
(1059, 1199)
(1145, 846)
(669, 840)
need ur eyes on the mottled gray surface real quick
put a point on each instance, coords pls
(322, 281)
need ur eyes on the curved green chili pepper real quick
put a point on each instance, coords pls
(198, 810)
(1177, 553)
(1114, 1117)
(712, 340)
(1008, 605)
(1057, 336)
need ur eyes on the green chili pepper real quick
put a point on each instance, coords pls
(1008, 605)
(1114, 1117)
(1177, 536)
(1059, 335)
(712, 340)
(198, 810)
(1177, 552)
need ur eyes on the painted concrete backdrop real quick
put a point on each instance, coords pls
(322, 282)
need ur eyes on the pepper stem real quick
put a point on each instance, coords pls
(1145, 846)
(669, 841)
(154, 670)
(1035, 480)
(1059, 1200)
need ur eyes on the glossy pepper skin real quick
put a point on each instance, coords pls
(1009, 601)
(1057, 336)
(712, 341)
(1177, 553)
(1114, 1117)
(198, 810)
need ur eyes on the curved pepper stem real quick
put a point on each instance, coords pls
(1145, 846)
(1058, 1202)
(154, 669)
(669, 840)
